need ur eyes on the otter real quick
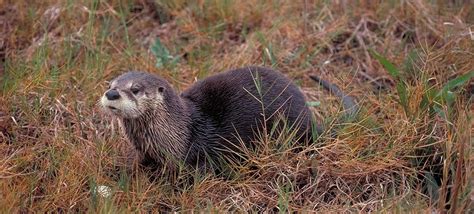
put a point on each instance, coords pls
(211, 120)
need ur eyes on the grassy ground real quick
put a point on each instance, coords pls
(410, 148)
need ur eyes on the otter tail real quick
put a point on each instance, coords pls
(348, 102)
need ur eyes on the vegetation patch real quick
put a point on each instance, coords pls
(410, 64)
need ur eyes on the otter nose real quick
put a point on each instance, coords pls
(112, 94)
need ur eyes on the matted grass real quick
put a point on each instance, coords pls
(408, 150)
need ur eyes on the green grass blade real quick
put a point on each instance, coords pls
(313, 103)
(456, 82)
(403, 96)
(392, 69)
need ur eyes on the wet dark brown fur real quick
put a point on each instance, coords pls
(227, 110)
(215, 119)
(212, 118)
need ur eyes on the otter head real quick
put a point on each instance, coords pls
(134, 94)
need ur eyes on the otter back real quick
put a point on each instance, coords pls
(235, 106)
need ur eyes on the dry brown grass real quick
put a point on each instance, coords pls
(56, 146)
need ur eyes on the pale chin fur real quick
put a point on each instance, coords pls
(123, 107)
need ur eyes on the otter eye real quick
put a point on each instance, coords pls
(161, 89)
(135, 90)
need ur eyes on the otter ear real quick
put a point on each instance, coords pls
(161, 89)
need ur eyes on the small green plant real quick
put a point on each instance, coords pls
(163, 57)
(434, 100)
